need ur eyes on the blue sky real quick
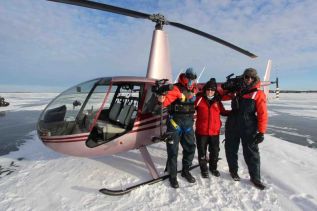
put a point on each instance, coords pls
(47, 46)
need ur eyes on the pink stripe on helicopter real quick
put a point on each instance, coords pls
(145, 128)
(66, 136)
(138, 124)
(65, 140)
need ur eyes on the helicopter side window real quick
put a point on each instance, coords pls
(115, 108)
(124, 108)
(126, 112)
(150, 102)
(114, 112)
(121, 115)
(92, 105)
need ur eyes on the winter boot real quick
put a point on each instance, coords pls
(204, 169)
(258, 184)
(215, 172)
(213, 166)
(234, 176)
(188, 176)
(204, 174)
(173, 182)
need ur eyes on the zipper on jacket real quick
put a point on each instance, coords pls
(209, 106)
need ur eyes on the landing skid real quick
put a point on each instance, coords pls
(129, 189)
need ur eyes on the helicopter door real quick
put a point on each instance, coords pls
(119, 118)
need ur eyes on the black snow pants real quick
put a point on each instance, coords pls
(242, 126)
(186, 137)
(212, 142)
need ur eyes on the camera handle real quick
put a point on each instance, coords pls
(165, 137)
(229, 76)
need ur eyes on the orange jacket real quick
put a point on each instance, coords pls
(171, 96)
(175, 94)
(261, 110)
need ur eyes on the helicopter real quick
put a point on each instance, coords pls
(109, 115)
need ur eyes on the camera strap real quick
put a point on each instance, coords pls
(239, 96)
(248, 91)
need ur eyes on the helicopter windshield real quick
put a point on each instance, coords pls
(73, 111)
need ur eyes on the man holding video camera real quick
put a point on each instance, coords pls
(180, 103)
(247, 121)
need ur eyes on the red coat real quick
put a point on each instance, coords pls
(260, 102)
(208, 121)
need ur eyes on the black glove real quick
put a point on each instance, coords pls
(259, 137)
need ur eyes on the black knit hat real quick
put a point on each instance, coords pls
(211, 84)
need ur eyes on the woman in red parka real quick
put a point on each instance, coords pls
(208, 124)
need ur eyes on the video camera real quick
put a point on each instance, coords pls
(161, 88)
(233, 84)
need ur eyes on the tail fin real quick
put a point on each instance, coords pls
(268, 70)
(266, 80)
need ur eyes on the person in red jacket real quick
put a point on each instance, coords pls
(247, 122)
(209, 108)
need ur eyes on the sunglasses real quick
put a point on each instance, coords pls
(210, 89)
(247, 77)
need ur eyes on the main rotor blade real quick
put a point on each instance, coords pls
(211, 37)
(105, 7)
(159, 19)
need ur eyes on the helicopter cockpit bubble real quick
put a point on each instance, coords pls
(103, 110)
(73, 111)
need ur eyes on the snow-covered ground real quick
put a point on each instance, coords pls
(296, 104)
(36, 178)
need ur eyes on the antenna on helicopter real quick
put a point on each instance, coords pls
(175, 81)
(201, 73)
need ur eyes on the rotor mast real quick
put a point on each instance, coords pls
(159, 65)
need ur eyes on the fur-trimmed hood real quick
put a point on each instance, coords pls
(252, 73)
